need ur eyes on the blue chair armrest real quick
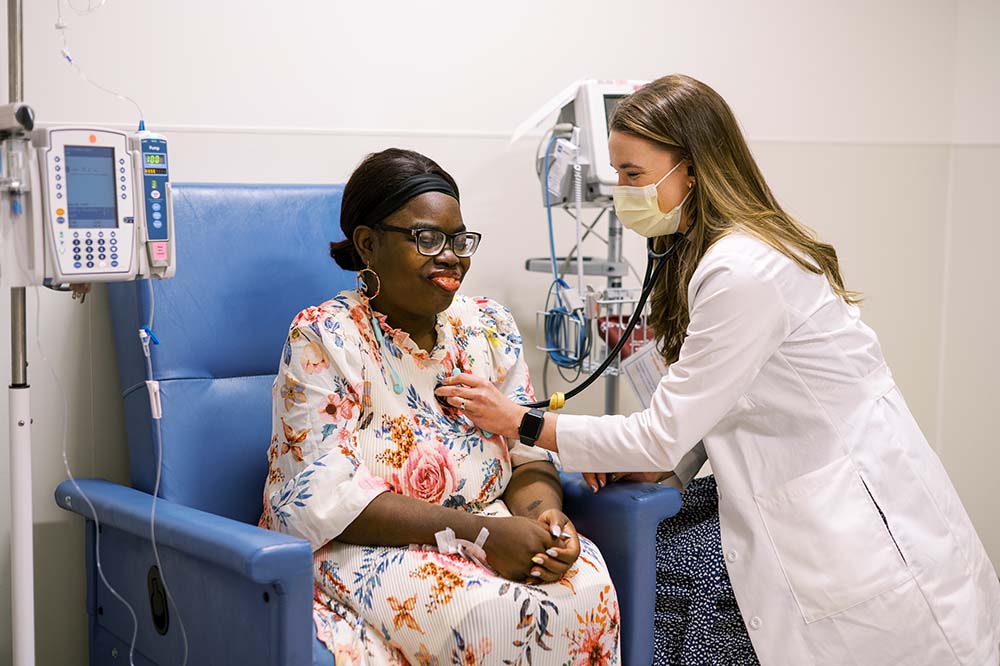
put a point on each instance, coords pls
(622, 520)
(260, 555)
(244, 593)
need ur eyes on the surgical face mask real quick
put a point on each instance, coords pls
(638, 209)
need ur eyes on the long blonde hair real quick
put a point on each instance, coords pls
(687, 117)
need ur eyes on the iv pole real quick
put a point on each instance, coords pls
(615, 258)
(22, 529)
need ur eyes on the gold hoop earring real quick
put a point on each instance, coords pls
(362, 284)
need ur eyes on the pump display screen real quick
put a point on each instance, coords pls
(610, 104)
(152, 158)
(90, 187)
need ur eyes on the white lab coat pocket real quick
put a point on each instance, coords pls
(831, 541)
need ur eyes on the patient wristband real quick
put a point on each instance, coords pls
(531, 427)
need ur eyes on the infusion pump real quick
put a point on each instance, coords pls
(106, 204)
(87, 205)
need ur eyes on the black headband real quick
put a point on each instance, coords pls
(412, 187)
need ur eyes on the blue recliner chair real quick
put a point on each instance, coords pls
(249, 258)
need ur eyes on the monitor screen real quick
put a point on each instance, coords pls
(610, 104)
(90, 187)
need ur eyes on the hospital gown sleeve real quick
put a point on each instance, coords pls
(512, 372)
(316, 484)
(738, 319)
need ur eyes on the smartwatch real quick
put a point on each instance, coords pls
(531, 427)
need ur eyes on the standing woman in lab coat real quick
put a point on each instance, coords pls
(844, 538)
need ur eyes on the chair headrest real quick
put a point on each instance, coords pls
(249, 257)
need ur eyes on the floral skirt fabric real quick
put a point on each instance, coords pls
(380, 605)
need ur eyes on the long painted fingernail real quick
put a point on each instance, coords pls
(594, 488)
(537, 559)
(551, 552)
(556, 531)
(536, 573)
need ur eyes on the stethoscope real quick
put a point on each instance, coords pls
(558, 399)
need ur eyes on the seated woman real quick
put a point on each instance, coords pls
(365, 462)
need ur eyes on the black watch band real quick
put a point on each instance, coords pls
(531, 427)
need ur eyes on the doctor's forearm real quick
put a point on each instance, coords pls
(547, 440)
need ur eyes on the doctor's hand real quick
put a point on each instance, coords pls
(597, 480)
(553, 564)
(483, 403)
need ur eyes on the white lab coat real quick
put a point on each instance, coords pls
(811, 444)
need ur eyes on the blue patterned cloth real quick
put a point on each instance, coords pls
(697, 620)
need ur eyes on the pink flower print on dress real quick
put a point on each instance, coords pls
(464, 363)
(456, 563)
(447, 364)
(348, 654)
(429, 473)
(395, 485)
(368, 481)
(340, 408)
(314, 358)
(311, 314)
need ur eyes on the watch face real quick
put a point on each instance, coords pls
(531, 426)
(540, 423)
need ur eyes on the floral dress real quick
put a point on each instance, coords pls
(354, 416)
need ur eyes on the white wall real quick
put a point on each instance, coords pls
(852, 70)
(968, 419)
(851, 109)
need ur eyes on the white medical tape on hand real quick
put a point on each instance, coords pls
(449, 544)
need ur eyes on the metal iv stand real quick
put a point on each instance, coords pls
(22, 530)
(614, 282)
(613, 269)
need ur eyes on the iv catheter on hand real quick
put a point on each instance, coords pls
(558, 399)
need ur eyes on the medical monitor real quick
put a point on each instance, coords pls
(610, 104)
(591, 110)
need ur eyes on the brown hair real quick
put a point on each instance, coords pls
(689, 118)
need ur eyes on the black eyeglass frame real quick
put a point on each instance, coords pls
(448, 238)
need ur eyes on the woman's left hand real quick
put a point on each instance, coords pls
(483, 403)
(553, 564)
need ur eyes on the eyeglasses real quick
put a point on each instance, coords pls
(430, 242)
